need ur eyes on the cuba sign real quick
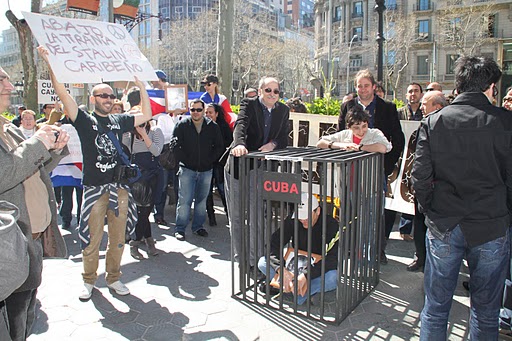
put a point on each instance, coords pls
(281, 186)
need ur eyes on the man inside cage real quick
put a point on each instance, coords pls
(328, 255)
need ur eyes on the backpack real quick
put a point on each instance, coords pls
(14, 259)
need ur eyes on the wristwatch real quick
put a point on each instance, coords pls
(330, 144)
(360, 147)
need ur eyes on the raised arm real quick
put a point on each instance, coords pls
(69, 103)
(145, 105)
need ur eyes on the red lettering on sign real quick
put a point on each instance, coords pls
(280, 187)
(294, 189)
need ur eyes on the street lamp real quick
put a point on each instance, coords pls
(380, 8)
(348, 61)
(141, 16)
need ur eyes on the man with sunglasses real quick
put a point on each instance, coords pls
(198, 144)
(262, 125)
(103, 196)
(463, 183)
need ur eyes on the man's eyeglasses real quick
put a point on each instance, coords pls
(494, 91)
(196, 110)
(206, 83)
(429, 89)
(269, 90)
(507, 99)
(105, 96)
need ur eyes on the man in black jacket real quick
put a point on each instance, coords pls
(383, 116)
(197, 144)
(462, 175)
(262, 125)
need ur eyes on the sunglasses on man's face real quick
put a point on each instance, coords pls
(494, 91)
(196, 110)
(206, 83)
(105, 96)
(269, 90)
(429, 89)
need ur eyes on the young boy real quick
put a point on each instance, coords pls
(357, 136)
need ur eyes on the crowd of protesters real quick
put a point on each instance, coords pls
(460, 205)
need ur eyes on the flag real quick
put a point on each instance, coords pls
(157, 100)
(67, 175)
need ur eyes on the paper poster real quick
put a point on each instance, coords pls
(399, 197)
(89, 51)
(75, 149)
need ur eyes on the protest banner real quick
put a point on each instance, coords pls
(89, 51)
(399, 196)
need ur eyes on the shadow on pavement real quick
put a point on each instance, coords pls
(149, 321)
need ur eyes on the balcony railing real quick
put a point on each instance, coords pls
(448, 77)
(419, 78)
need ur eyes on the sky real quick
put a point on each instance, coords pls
(16, 6)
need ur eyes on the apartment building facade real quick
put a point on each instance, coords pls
(423, 39)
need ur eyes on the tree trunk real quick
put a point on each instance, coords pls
(225, 47)
(27, 56)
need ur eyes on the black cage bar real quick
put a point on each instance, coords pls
(348, 187)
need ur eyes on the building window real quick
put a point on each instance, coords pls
(422, 65)
(358, 31)
(424, 29)
(391, 5)
(391, 58)
(358, 9)
(390, 32)
(488, 26)
(356, 62)
(423, 5)
(450, 63)
(337, 14)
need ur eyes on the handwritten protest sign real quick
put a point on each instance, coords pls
(46, 92)
(89, 51)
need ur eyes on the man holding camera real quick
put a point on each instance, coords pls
(103, 194)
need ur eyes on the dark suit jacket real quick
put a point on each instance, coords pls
(249, 127)
(386, 120)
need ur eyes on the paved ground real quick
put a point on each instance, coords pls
(185, 294)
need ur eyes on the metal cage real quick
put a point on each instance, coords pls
(348, 187)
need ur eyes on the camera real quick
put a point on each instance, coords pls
(126, 174)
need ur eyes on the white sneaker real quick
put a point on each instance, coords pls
(86, 293)
(119, 288)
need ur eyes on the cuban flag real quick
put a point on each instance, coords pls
(69, 174)
(157, 99)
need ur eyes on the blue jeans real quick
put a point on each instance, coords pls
(168, 176)
(487, 268)
(329, 284)
(405, 226)
(194, 186)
